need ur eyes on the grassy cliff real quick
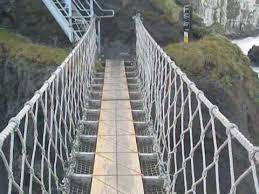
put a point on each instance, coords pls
(170, 8)
(218, 59)
(19, 47)
(24, 66)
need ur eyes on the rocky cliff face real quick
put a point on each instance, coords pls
(23, 68)
(253, 54)
(19, 79)
(234, 15)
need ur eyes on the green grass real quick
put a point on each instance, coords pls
(99, 67)
(19, 47)
(217, 59)
(198, 31)
(169, 7)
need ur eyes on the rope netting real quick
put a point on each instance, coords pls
(199, 150)
(36, 146)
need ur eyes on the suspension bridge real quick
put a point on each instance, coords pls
(139, 126)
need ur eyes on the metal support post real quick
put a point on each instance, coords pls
(70, 18)
(92, 8)
(99, 35)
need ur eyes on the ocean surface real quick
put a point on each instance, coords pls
(246, 44)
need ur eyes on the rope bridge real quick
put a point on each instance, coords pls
(42, 134)
(198, 149)
(196, 144)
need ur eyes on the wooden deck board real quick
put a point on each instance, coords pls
(116, 167)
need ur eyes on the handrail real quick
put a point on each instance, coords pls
(104, 10)
(62, 7)
(192, 137)
(43, 132)
(77, 16)
(75, 8)
(80, 28)
(81, 7)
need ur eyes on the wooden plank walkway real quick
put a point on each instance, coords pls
(116, 167)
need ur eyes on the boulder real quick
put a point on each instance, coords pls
(253, 54)
(7, 12)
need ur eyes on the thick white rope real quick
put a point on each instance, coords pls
(43, 132)
(184, 122)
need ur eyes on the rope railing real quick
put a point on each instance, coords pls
(35, 147)
(199, 150)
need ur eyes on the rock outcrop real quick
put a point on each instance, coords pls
(23, 68)
(235, 16)
(253, 54)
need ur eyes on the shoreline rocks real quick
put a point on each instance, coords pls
(253, 55)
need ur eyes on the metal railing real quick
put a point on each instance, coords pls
(199, 149)
(35, 147)
(111, 15)
(74, 17)
(86, 7)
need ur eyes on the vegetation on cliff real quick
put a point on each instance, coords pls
(24, 66)
(218, 59)
(19, 47)
(170, 8)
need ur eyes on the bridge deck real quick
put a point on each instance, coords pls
(116, 167)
